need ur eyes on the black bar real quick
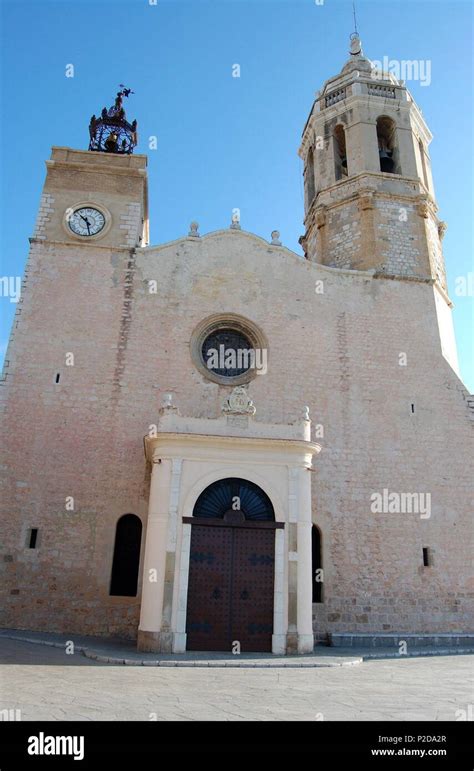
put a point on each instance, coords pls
(350, 742)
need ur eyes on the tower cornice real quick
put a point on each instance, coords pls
(353, 187)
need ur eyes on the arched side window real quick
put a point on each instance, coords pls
(317, 564)
(423, 162)
(340, 153)
(126, 562)
(388, 147)
(309, 177)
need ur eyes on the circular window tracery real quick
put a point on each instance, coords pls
(229, 349)
(227, 352)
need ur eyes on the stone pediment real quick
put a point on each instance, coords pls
(231, 236)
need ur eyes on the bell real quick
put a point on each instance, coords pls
(386, 161)
(111, 143)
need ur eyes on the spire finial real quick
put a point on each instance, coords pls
(355, 17)
(356, 44)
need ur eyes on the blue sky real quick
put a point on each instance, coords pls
(224, 142)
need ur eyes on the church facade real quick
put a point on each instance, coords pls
(217, 441)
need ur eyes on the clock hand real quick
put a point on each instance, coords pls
(83, 218)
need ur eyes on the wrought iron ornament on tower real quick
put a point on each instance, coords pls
(112, 133)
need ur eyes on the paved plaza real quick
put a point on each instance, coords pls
(46, 684)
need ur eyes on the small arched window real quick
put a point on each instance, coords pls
(126, 562)
(388, 148)
(317, 564)
(309, 177)
(340, 154)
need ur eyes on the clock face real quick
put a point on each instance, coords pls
(86, 221)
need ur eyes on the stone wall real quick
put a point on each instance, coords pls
(337, 351)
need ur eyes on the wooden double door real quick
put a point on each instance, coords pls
(231, 585)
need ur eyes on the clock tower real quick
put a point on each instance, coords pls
(97, 198)
(63, 375)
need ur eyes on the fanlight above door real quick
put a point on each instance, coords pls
(237, 495)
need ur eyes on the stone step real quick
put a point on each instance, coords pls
(384, 640)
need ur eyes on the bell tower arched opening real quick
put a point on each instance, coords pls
(388, 146)
(309, 181)
(340, 153)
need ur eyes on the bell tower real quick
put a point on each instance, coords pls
(98, 197)
(369, 197)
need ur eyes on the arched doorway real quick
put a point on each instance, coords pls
(231, 568)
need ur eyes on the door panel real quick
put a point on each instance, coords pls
(230, 590)
(252, 589)
(210, 568)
